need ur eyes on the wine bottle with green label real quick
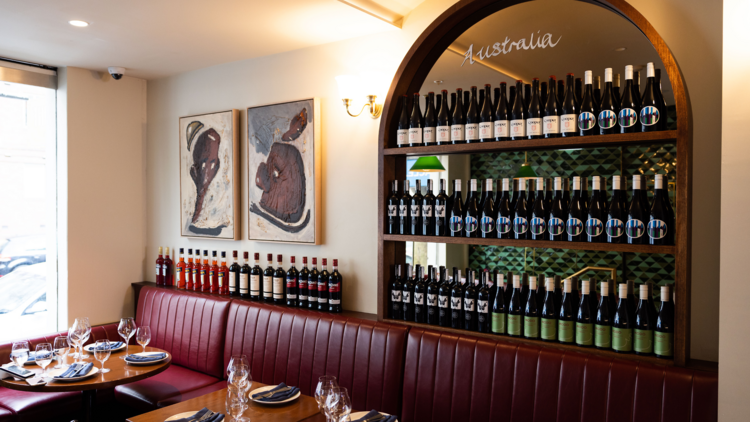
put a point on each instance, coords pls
(515, 311)
(603, 325)
(499, 312)
(584, 320)
(567, 319)
(664, 333)
(549, 312)
(531, 314)
(644, 326)
(622, 328)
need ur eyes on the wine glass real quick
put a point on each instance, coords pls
(235, 405)
(102, 350)
(338, 404)
(43, 356)
(143, 336)
(86, 334)
(61, 350)
(126, 330)
(325, 383)
(75, 334)
(235, 361)
(19, 353)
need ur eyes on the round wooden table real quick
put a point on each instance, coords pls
(120, 373)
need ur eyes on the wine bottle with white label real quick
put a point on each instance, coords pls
(664, 332)
(589, 109)
(521, 213)
(249, 286)
(456, 214)
(292, 283)
(312, 286)
(443, 128)
(635, 228)
(617, 214)
(576, 214)
(584, 319)
(531, 312)
(543, 91)
(557, 219)
(419, 299)
(323, 294)
(404, 210)
(458, 120)
(395, 310)
(518, 115)
(629, 107)
(415, 210)
(551, 119)
(643, 335)
(457, 300)
(391, 218)
(622, 327)
(428, 215)
(415, 123)
(304, 277)
(471, 221)
(429, 121)
(279, 277)
(567, 317)
(569, 110)
(534, 113)
(604, 316)
(650, 114)
(433, 290)
(608, 107)
(550, 312)
(470, 302)
(402, 131)
(444, 299)
(502, 116)
(472, 118)
(597, 213)
(407, 291)
(503, 217)
(486, 114)
(660, 224)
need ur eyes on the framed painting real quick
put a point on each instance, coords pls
(283, 161)
(209, 175)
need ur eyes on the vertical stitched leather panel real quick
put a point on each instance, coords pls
(621, 391)
(649, 387)
(571, 387)
(502, 387)
(547, 383)
(705, 406)
(445, 358)
(481, 388)
(462, 373)
(678, 389)
(523, 390)
(362, 353)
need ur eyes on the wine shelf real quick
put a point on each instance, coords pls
(670, 250)
(667, 136)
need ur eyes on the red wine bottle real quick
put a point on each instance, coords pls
(441, 206)
(515, 311)
(569, 110)
(503, 222)
(234, 276)
(292, 284)
(660, 224)
(486, 117)
(392, 219)
(502, 116)
(635, 228)
(407, 293)
(278, 282)
(255, 274)
(560, 92)
(629, 106)
(617, 213)
(335, 295)
(598, 90)
(471, 211)
(472, 118)
(597, 213)
(539, 214)
(443, 129)
(651, 113)
(404, 210)
(160, 268)
(323, 287)
(428, 214)
(415, 123)
(420, 291)
(458, 121)
(558, 217)
(574, 226)
(543, 92)
(470, 303)
(637, 86)
(511, 98)
(430, 121)
(608, 107)
(268, 280)
(521, 213)
(402, 131)
(304, 278)
(589, 109)
(579, 90)
(312, 286)
(551, 120)
(518, 116)
(534, 113)
(415, 210)
(444, 297)
(394, 310)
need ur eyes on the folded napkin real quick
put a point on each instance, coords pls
(145, 358)
(277, 397)
(34, 355)
(374, 413)
(76, 370)
(112, 346)
(215, 418)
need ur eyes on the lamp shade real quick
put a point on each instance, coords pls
(525, 171)
(427, 165)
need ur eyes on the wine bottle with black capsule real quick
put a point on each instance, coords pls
(415, 210)
(635, 229)
(608, 107)
(526, 96)
(502, 116)
(597, 214)
(576, 214)
(456, 214)
(539, 214)
(514, 198)
(622, 327)
(452, 108)
(557, 219)
(569, 110)
(488, 213)
(457, 301)
(584, 195)
(629, 106)
(443, 128)
(508, 290)
(612, 298)
(549, 312)
(530, 199)
(304, 277)
(441, 205)
(598, 90)
(521, 213)
(560, 91)
(458, 121)
(617, 214)
(650, 114)
(532, 312)
(616, 89)
(567, 317)
(312, 286)
(499, 310)
(584, 319)
(402, 131)
(518, 115)
(588, 109)
(268, 279)
(472, 118)
(470, 302)
(660, 100)
(428, 207)
(420, 291)
(551, 119)
(534, 113)
(604, 317)
(407, 293)
(524, 290)
(444, 297)
(392, 219)
(515, 310)
(395, 309)
(645, 203)
(659, 224)
(335, 294)
(496, 99)
(664, 331)
(234, 275)
(415, 123)
(643, 335)
(292, 283)
(471, 212)
(429, 121)
(503, 222)
(404, 210)
(558, 292)
(487, 117)
(252, 287)
(433, 290)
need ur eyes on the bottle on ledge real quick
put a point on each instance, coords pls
(392, 218)
(616, 89)
(179, 270)
(549, 312)
(407, 291)
(168, 274)
(629, 107)
(608, 107)
(197, 271)
(484, 302)
(223, 275)
(598, 90)
(205, 275)
(508, 292)
(472, 118)
(470, 303)
(303, 283)
(532, 312)
(415, 123)
(268, 279)
(579, 91)
(250, 278)
(502, 116)
(566, 320)
(458, 120)
(515, 311)
(420, 290)
(637, 88)
(617, 213)
(487, 213)
(584, 319)
(569, 110)
(441, 204)
(443, 129)
(213, 274)
(597, 213)
(660, 225)
(664, 332)
(534, 113)
(551, 119)
(635, 228)
(430, 121)
(524, 291)
(394, 310)
(433, 291)
(486, 117)
(660, 100)
(312, 286)
(457, 299)
(189, 271)
(471, 222)
(575, 213)
(517, 115)
(557, 219)
(503, 212)
(428, 206)
(603, 326)
(520, 213)
(499, 310)
(650, 113)
(402, 131)
(404, 210)
(323, 278)
(622, 328)
(234, 276)
(160, 268)
(292, 283)
(415, 210)
(444, 297)
(643, 335)
(279, 276)
(589, 109)
(540, 214)
(456, 214)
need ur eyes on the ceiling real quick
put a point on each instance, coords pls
(156, 38)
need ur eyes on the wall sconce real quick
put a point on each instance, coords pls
(350, 87)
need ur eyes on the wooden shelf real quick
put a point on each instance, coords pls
(670, 250)
(668, 136)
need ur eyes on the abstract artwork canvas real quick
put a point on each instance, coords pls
(283, 144)
(209, 175)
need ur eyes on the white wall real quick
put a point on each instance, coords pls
(101, 139)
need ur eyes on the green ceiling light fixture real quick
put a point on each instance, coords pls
(525, 171)
(429, 164)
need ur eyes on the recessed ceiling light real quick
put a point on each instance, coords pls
(78, 23)
(620, 49)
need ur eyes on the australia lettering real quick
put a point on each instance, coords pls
(507, 46)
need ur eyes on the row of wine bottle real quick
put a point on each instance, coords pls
(559, 110)
(305, 288)
(528, 310)
(543, 214)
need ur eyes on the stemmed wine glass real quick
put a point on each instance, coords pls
(102, 350)
(338, 405)
(236, 361)
(143, 336)
(126, 329)
(235, 404)
(43, 356)
(325, 384)
(84, 323)
(75, 335)
(19, 353)
(61, 350)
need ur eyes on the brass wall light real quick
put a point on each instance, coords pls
(349, 88)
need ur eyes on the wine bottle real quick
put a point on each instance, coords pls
(576, 212)
(404, 210)
(429, 121)
(530, 200)
(560, 92)
(660, 100)
(575, 296)
(540, 214)
(569, 110)
(616, 89)
(632, 302)
(234, 276)
(415, 210)
(407, 292)
(179, 271)
(608, 107)
(585, 320)
(593, 302)
(659, 224)
(292, 283)
(190, 271)
(549, 194)
(444, 297)
(251, 291)
(213, 274)
(402, 130)
(472, 118)
(524, 290)
(551, 120)
(617, 213)
(584, 194)
(278, 281)
(664, 332)
(637, 87)
(495, 100)
(335, 284)
(471, 221)
(487, 214)
(557, 219)
(612, 299)
(521, 213)
(268, 279)
(458, 121)
(312, 285)
(670, 211)
(502, 116)
(457, 213)
(628, 115)
(567, 318)
(566, 195)
(395, 310)
(508, 291)
(323, 294)
(597, 213)
(452, 109)
(470, 303)
(598, 90)
(428, 205)
(622, 328)
(517, 115)
(486, 117)
(443, 129)
(433, 291)
(558, 293)
(644, 325)
(635, 228)
(499, 310)
(415, 123)
(526, 97)
(543, 91)
(511, 97)
(579, 90)
(515, 311)
(392, 219)
(534, 113)
(467, 97)
(603, 326)
(160, 268)
(304, 278)
(645, 204)
(223, 275)
(502, 212)
(197, 271)
(420, 290)
(650, 113)
(531, 312)
(457, 299)
(441, 203)
(589, 109)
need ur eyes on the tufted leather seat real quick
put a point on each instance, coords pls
(463, 378)
(191, 327)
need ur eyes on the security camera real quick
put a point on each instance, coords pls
(116, 72)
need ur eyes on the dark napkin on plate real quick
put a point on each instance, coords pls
(277, 397)
(215, 418)
(76, 370)
(374, 413)
(145, 358)
(33, 356)
(112, 346)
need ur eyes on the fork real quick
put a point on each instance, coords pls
(271, 394)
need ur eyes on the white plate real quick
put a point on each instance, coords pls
(272, 403)
(359, 415)
(181, 415)
(33, 362)
(90, 348)
(55, 372)
(147, 354)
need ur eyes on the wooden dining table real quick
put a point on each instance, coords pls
(120, 373)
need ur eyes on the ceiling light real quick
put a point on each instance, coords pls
(620, 49)
(80, 24)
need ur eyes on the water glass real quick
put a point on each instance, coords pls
(61, 350)
(102, 350)
(19, 353)
(143, 336)
(325, 383)
(338, 404)
(126, 329)
(44, 355)
(235, 405)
